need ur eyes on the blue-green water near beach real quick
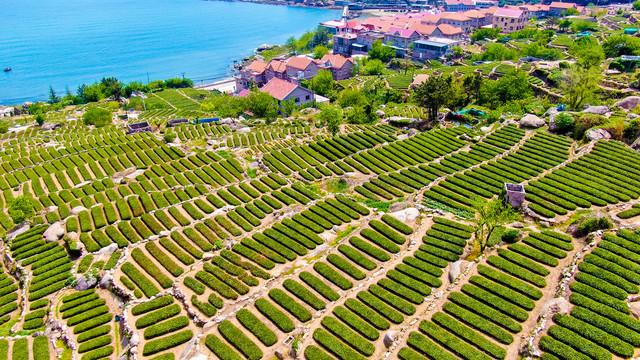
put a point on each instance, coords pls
(65, 43)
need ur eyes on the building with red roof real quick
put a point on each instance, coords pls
(401, 38)
(253, 74)
(339, 66)
(556, 8)
(510, 20)
(284, 90)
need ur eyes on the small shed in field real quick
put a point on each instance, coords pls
(515, 194)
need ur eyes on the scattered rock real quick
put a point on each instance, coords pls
(244, 130)
(135, 339)
(105, 280)
(413, 132)
(485, 129)
(398, 206)
(109, 249)
(556, 305)
(50, 126)
(403, 137)
(635, 308)
(17, 231)
(77, 210)
(597, 134)
(207, 256)
(84, 283)
(628, 103)
(532, 121)
(199, 357)
(390, 337)
(164, 233)
(457, 268)
(54, 232)
(280, 354)
(380, 113)
(517, 225)
(599, 110)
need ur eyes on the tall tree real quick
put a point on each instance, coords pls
(434, 93)
(490, 214)
(381, 52)
(53, 96)
(580, 85)
(331, 116)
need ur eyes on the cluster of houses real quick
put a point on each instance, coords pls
(431, 34)
(282, 78)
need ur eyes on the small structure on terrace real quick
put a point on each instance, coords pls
(514, 194)
(138, 128)
(175, 122)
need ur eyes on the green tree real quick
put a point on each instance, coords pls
(570, 12)
(320, 51)
(373, 67)
(381, 52)
(496, 52)
(471, 84)
(263, 105)
(580, 85)
(564, 24)
(434, 93)
(617, 45)
(490, 214)
(53, 97)
(4, 127)
(288, 107)
(21, 209)
(584, 25)
(322, 83)
(225, 106)
(112, 88)
(320, 37)
(169, 137)
(331, 117)
(40, 118)
(564, 122)
(93, 93)
(351, 98)
(636, 5)
(481, 34)
(97, 116)
(551, 22)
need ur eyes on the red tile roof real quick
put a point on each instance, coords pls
(510, 13)
(447, 29)
(278, 66)
(279, 88)
(257, 66)
(562, 5)
(299, 62)
(454, 16)
(336, 61)
(405, 33)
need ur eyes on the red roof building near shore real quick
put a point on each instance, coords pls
(284, 90)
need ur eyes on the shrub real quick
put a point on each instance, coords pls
(303, 294)
(287, 303)
(333, 276)
(256, 327)
(348, 336)
(155, 346)
(469, 335)
(450, 341)
(139, 279)
(510, 235)
(277, 317)
(335, 346)
(397, 224)
(221, 349)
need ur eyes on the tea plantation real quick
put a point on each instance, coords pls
(260, 241)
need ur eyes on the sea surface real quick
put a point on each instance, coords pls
(65, 43)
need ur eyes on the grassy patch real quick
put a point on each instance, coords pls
(225, 154)
(253, 173)
(381, 205)
(343, 234)
(401, 81)
(197, 143)
(440, 206)
(336, 186)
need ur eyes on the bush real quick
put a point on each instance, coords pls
(380, 306)
(333, 276)
(469, 335)
(348, 336)
(256, 327)
(97, 117)
(221, 349)
(240, 341)
(319, 286)
(289, 304)
(335, 346)
(449, 341)
(303, 294)
(596, 335)
(155, 346)
(397, 224)
(277, 317)
(157, 316)
(510, 236)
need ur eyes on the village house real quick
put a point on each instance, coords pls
(342, 43)
(401, 38)
(300, 68)
(442, 31)
(284, 90)
(509, 20)
(339, 66)
(433, 48)
(365, 41)
(556, 8)
(460, 5)
(456, 19)
(253, 74)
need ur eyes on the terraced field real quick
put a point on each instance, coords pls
(281, 240)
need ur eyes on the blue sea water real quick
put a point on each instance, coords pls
(65, 43)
